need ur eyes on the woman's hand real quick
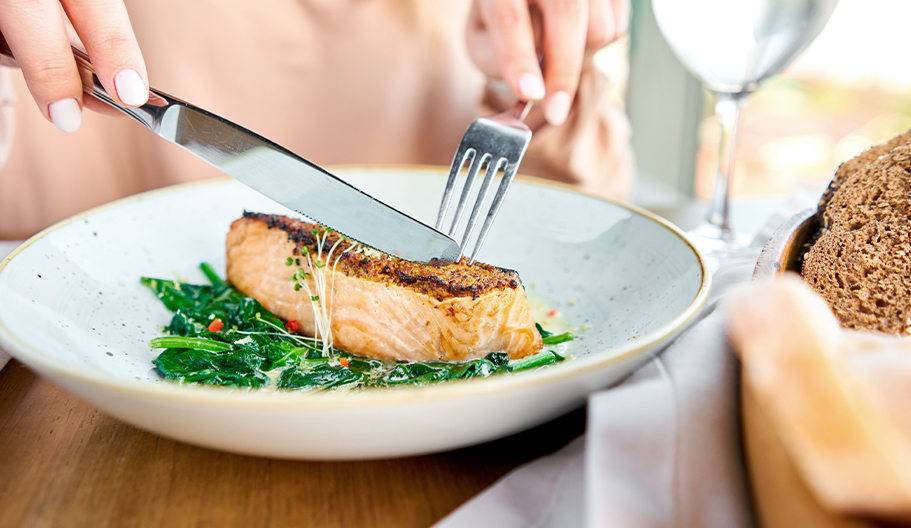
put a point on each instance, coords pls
(504, 36)
(36, 32)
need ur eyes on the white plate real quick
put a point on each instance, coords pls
(72, 309)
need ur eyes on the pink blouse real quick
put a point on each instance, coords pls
(337, 81)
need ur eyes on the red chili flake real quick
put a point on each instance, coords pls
(343, 361)
(292, 326)
(216, 325)
(553, 313)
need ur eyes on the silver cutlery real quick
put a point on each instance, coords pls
(497, 143)
(279, 173)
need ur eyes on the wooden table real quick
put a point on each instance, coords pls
(65, 463)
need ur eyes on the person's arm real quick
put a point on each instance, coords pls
(36, 32)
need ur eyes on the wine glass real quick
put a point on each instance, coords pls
(732, 46)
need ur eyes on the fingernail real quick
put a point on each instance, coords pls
(130, 88)
(65, 114)
(556, 109)
(531, 87)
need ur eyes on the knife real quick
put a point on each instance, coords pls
(278, 173)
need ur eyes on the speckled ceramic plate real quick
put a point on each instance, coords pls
(72, 309)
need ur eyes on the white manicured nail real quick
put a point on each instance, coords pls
(130, 88)
(65, 114)
(556, 109)
(531, 87)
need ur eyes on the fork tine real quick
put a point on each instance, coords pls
(476, 164)
(457, 161)
(508, 174)
(506, 136)
(492, 169)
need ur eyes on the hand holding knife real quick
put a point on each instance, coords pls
(278, 173)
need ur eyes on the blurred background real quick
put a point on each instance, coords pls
(849, 90)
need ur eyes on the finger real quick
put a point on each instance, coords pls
(513, 44)
(90, 103)
(36, 35)
(565, 28)
(104, 27)
(477, 40)
(621, 9)
(602, 28)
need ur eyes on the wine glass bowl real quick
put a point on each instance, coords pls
(732, 46)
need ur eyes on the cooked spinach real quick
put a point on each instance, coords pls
(550, 339)
(218, 336)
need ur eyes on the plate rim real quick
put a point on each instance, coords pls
(279, 400)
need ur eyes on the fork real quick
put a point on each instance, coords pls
(497, 142)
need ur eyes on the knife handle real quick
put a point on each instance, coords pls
(148, 114)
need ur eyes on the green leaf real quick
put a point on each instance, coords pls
(238, 368)
(542, 331)
(210, 274)
(319, 377)
(557, 339)
(540, 359)
(548, 338)
(194, 343)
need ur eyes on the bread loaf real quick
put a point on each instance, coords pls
(861, 261)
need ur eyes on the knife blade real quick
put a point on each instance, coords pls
(279, 174)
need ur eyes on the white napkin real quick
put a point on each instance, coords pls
(661, 448)
(6, 247)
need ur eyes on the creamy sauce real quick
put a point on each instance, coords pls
(548, 314)
(274, 375)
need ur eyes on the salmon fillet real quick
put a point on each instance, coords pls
(379, 305)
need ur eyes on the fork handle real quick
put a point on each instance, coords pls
(520, 109)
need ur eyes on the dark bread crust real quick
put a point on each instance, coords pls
(440, 282)
(856, 163)
(861, 262)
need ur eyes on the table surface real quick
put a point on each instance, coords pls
(65, 463)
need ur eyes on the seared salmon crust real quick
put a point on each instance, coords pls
(381, 305)
(439, 282)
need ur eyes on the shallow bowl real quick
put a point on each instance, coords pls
(72, 309)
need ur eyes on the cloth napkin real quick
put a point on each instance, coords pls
(6, 247)
(661, 449)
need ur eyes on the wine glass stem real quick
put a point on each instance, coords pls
(727, 108)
